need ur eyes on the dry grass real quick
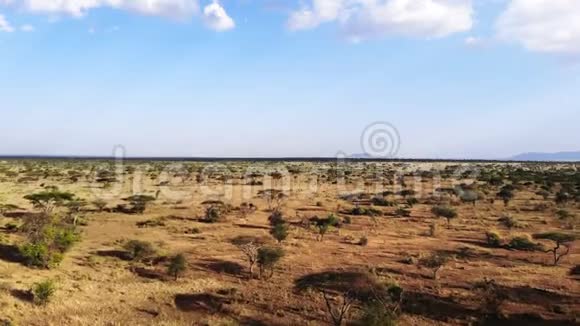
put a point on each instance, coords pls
(96, 289)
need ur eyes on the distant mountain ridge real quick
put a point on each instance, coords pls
(559, 157)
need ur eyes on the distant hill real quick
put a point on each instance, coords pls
(559, 157)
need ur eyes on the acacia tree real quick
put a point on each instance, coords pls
(435, 262)
(139, 202)
(47, 200)
(469, 196)
(249, 246)
(561, 239)
(446, 212)
(274, 197)
(338, 313)
(505, 194)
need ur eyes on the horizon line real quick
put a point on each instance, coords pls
(269, 159)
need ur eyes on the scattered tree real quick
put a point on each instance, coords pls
(436, 262)
(446, 212)
(279, 232)
(561, 239)
(177, 265)
(268, 257)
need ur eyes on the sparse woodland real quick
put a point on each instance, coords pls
(289, 243)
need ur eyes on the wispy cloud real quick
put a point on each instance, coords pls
(214, 14)
(363, 19)
(5, 26)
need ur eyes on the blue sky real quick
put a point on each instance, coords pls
(457, 78)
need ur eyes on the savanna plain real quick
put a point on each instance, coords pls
(355, 242)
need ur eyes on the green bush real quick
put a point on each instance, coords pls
(378, 201)
(139, 250)
(365, 211)
(376, 314)
(64, 238)
(40, 255)
(509, 222)
(43, 292)
(279, 232)
(268, 257)
(524, 243)
(493, 239)
(444, 211)
(402, 212)
(177, 265)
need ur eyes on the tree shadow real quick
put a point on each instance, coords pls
(252, 226)
(10, 253)
(202, 302)
(222, 267)
(21, 214)
(535, 296)
(528, 319)
(120, 254)
(209, 303)
(152, 274)
(359, 284)
(22, 295)
(435, 307)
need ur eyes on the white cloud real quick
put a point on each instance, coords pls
(217, 18)
(5, 25)
(551, 26)
(362, 19)
(168, 8)
(472, 41)
(214, 15)
(27, 28)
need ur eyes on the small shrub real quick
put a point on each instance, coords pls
(563, 214)
(509, 222)
(177, 265)
(64, 238)
(100, 205)
(402, 212)
(276, 218)
(379, 201)
(493, 239)
(347, 220)
(412, 201)
(376, 314)
(523, 243)
(11, 227)
(40, 255)
(268, 257)
(365, 211)
(279, 232)
(43, 292)
(139, 250)
(363, 241)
